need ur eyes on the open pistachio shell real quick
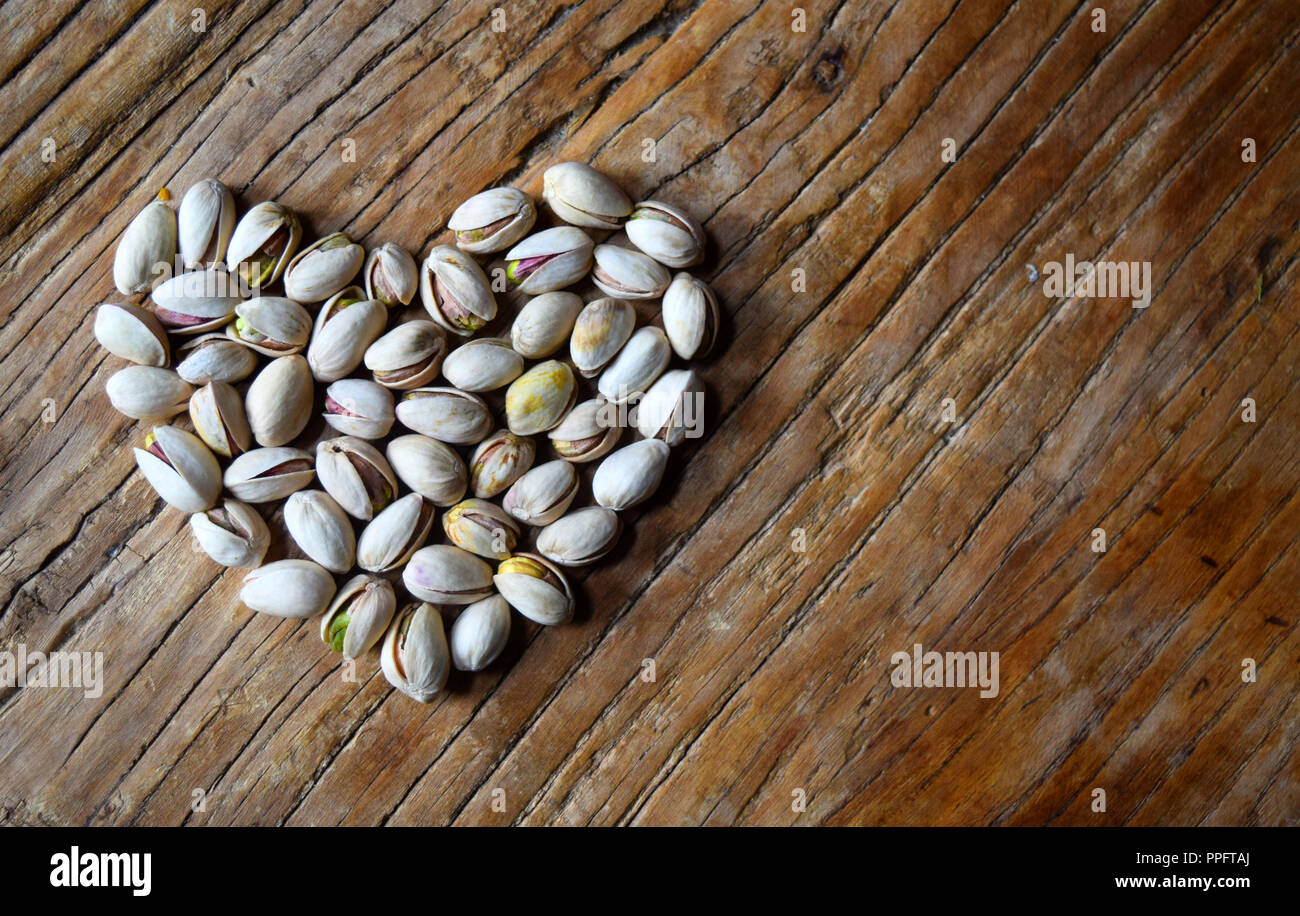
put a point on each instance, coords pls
(492, 220)
(396, 533)
(217, 413)
(288, 588)
(391, 275)
(590, 431)
(359, 615)
(265, 474)
(263, 243)
(455, 292)
(355, 473)
(580, 195)
(415, 657)
(232, 534)
(146, 249)
(628, 274)
(359, 407)
(543, 494)
(271, 325)
(691, 317)
(132, 333)
(205, 222)
(482, 528)
(664, 232)
(323, 268)
(549, 260)
(180, 469)
(408, 356)
(672, 409)
(345, 327)
(499, 461)
(535, 588)
(196, 302)
(600, 331)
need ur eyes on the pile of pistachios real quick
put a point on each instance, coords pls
(359, 354)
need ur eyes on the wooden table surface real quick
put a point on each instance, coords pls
(731, 662)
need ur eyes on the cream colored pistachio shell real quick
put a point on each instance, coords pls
(602, 328)
(445, 414)
(492, 220)
(232, 534)
(408, 356)
(544, 324)
(447, 575)
(415, 657)
(196, 302)
(484, 364)
(543, 494)
(345, 327)
(631, 474)
(148, 242)
(581, 537)
(180, 469)
(549, 260)
(265, 474)
(539, 399)
(396, 533)
(589, 431)
(355, 473)
(391, 275)
(271, 325)
(288, 588)
(672, 409)
(455, 291)
(320, 527)
(205, 222)
(691, 316)
(535, 588)
(216, 358)
(641, 361)
(148, 392)
(132, 333)
(579, 194)
(498, 462)
(359, 615)
(217, 413)
(479, 633)
(278, 403)
(359, 407)
(263, 243)
(430, 468)
(323, 268)
(667, 234)
(628, 274)
(482, 528)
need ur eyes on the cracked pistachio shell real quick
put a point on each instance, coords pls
(602, 328)
(455, 291)
(544, 324)
(320, 527)
(482, 528)
(216, 358)
(589, 431)
(148, 392)
(263, 243)
(149, 241)
(359, 407)
(447, 575)
(288, 588)
(691, 317)
(641, 361)
(430, 468)
(539, 399)
(669, 235)
(232, 534)
(492, 220)
(628, 274)
(543, 494)
(484, 364)
(271, 325)
(359, 615)
(205, 222)
(631, 474)
(499, 461)
(391, 275)
(580, 195)
(218, 417)
(408, 356)
(535, 588)
(323, 268)
(672, 408)
(445, 414)
(345, 327)
(396, 533)
(581, 537)
(265, 474)
(195, 302)
(479, 633)
(549, 260)
(355, 473)
(180, 469)
(278, 403)
(132, 333)
(414, 656)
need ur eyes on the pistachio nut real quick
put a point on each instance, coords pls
(445, 414)
(271, 325)
(429, 467)
(195, 302)
(447, 575)
(543, 494)
(669, 235)
(482, 528)
(628, 274)
(149, 241)
(396, 533)
(216, 358)
(147, 392)
(321, 529)
(691, 316)
(217, 413)
(261, 475)
(279, 401)
(672, 407)
(482, 365)
(180, 469)
(499, 461)
(580, 195)
(359, 407)
(323, 268)
(455, 292)
(629, 475)
(589, 431)
(391, 275)
(205, 221)
(132, 333)
(539, 399)
(263, 243)
(601, 329)
(414, 657)
(359, 615)
(535, 588)
(581, 537)
(544, 324)
(408, 356)
(355, 473)
(549, 260)
(641, 361)
(479, 633)
(492, 220)
(232, 534)
(288, 588)
(345, 327)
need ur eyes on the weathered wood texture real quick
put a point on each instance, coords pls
(812, 154)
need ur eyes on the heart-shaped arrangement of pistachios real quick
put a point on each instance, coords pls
(211, 281)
